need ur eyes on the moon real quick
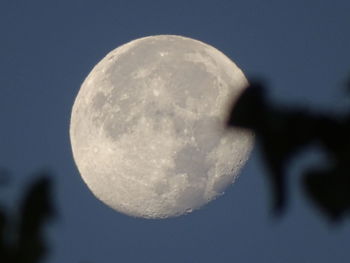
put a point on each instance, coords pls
(147, 126)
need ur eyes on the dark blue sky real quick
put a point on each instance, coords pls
(47, 48)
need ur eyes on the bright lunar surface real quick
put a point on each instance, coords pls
(147, 127)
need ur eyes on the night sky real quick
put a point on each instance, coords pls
(47, 48)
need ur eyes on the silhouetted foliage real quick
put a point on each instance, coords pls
(282, 132)
(21, 236)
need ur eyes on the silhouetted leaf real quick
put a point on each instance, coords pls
(283, 132)
(21, 236)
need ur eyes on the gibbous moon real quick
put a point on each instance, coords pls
(147, 126)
